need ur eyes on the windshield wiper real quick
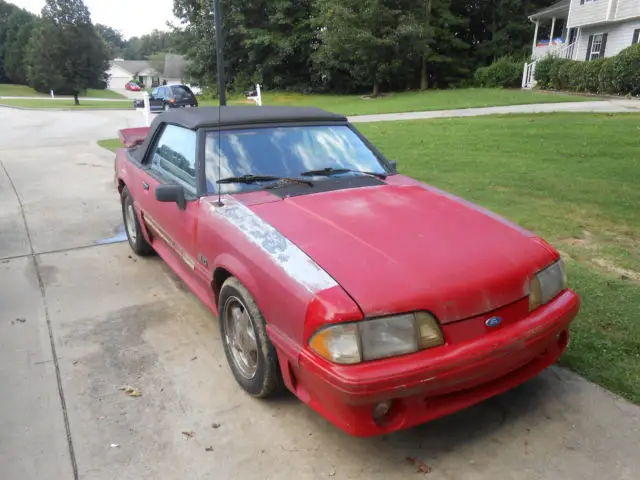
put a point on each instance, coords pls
(249, 179)
(327, 172)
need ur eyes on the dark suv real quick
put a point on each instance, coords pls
(172, 96)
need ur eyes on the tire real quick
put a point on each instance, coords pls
(260, 377)
(135, 236)
(166, 107)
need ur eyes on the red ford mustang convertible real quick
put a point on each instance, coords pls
(378, 300)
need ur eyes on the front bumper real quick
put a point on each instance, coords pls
(433, 383)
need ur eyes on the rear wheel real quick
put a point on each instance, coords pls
(136, 239)
(250, 354)
(166, 107)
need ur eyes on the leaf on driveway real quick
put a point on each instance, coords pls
(422, 467)
(132, 392)
(209, 449)
(189, 434)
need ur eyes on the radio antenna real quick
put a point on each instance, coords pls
(221, 84)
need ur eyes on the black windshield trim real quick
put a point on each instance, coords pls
(330, 184)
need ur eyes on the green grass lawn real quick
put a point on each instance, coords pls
(409, 101)
(66, 104)
(572, 178)
(95, 93)
(110, 144)
(9, 90)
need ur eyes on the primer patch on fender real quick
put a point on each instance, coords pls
(297, 264)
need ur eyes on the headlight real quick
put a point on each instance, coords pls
(377, 338)
(547, 284)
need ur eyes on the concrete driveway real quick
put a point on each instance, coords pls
(128, 93)
(80, 319)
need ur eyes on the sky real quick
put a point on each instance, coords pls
(132, 17)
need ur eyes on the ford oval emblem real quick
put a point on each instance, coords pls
(493, 322)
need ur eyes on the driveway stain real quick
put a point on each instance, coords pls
(120, 236)
(112, 351)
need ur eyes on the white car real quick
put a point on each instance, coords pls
(196, 89)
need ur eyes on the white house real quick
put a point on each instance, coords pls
(123, 71)
(583, 30)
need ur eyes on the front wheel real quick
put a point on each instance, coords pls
(135, 236)
(250, 354)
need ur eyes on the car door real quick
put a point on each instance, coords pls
(155, 99)
(172, 160)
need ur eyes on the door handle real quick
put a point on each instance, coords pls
(145, 185)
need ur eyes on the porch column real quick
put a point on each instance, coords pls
(535, 36)
(553, 27)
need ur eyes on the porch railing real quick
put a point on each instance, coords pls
(529, 75)
(568, 51)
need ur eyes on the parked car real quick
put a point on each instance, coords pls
(166, 97)
(132, 86)
(380, 301)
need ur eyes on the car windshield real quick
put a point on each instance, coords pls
(284, 152)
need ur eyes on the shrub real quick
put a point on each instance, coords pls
(543, 71)
(626, 71)
(619, 74)
(591, 75)
(554, 73)
(563, 78)
(577, 76)
(504, 72)
(480, 77)
(606, 77)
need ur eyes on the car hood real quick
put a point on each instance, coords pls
(399, 248)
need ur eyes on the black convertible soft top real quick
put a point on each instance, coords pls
(204, 117)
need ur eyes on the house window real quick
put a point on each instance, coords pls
(596, 47)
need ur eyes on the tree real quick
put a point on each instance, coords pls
(499, 27)
(157, 61)
(113, 40)
(131, 49)
(142, 48)
(431, 29)
(6, 9)
(65, 52)
(196, 16)
(19, 29)
(358, 37)
(350, 45)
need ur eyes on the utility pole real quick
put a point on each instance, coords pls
(219, 58)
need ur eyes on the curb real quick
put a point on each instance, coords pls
(89, 109)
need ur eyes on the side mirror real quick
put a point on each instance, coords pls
(394, 166)
(171, 193)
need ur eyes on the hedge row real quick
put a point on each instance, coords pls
(615, 75)
(505, 72)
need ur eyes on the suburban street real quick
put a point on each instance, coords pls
(82, 317)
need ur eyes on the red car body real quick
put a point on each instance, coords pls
(134, 87)
(397, 247)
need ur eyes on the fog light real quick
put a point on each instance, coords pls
(381, 409)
